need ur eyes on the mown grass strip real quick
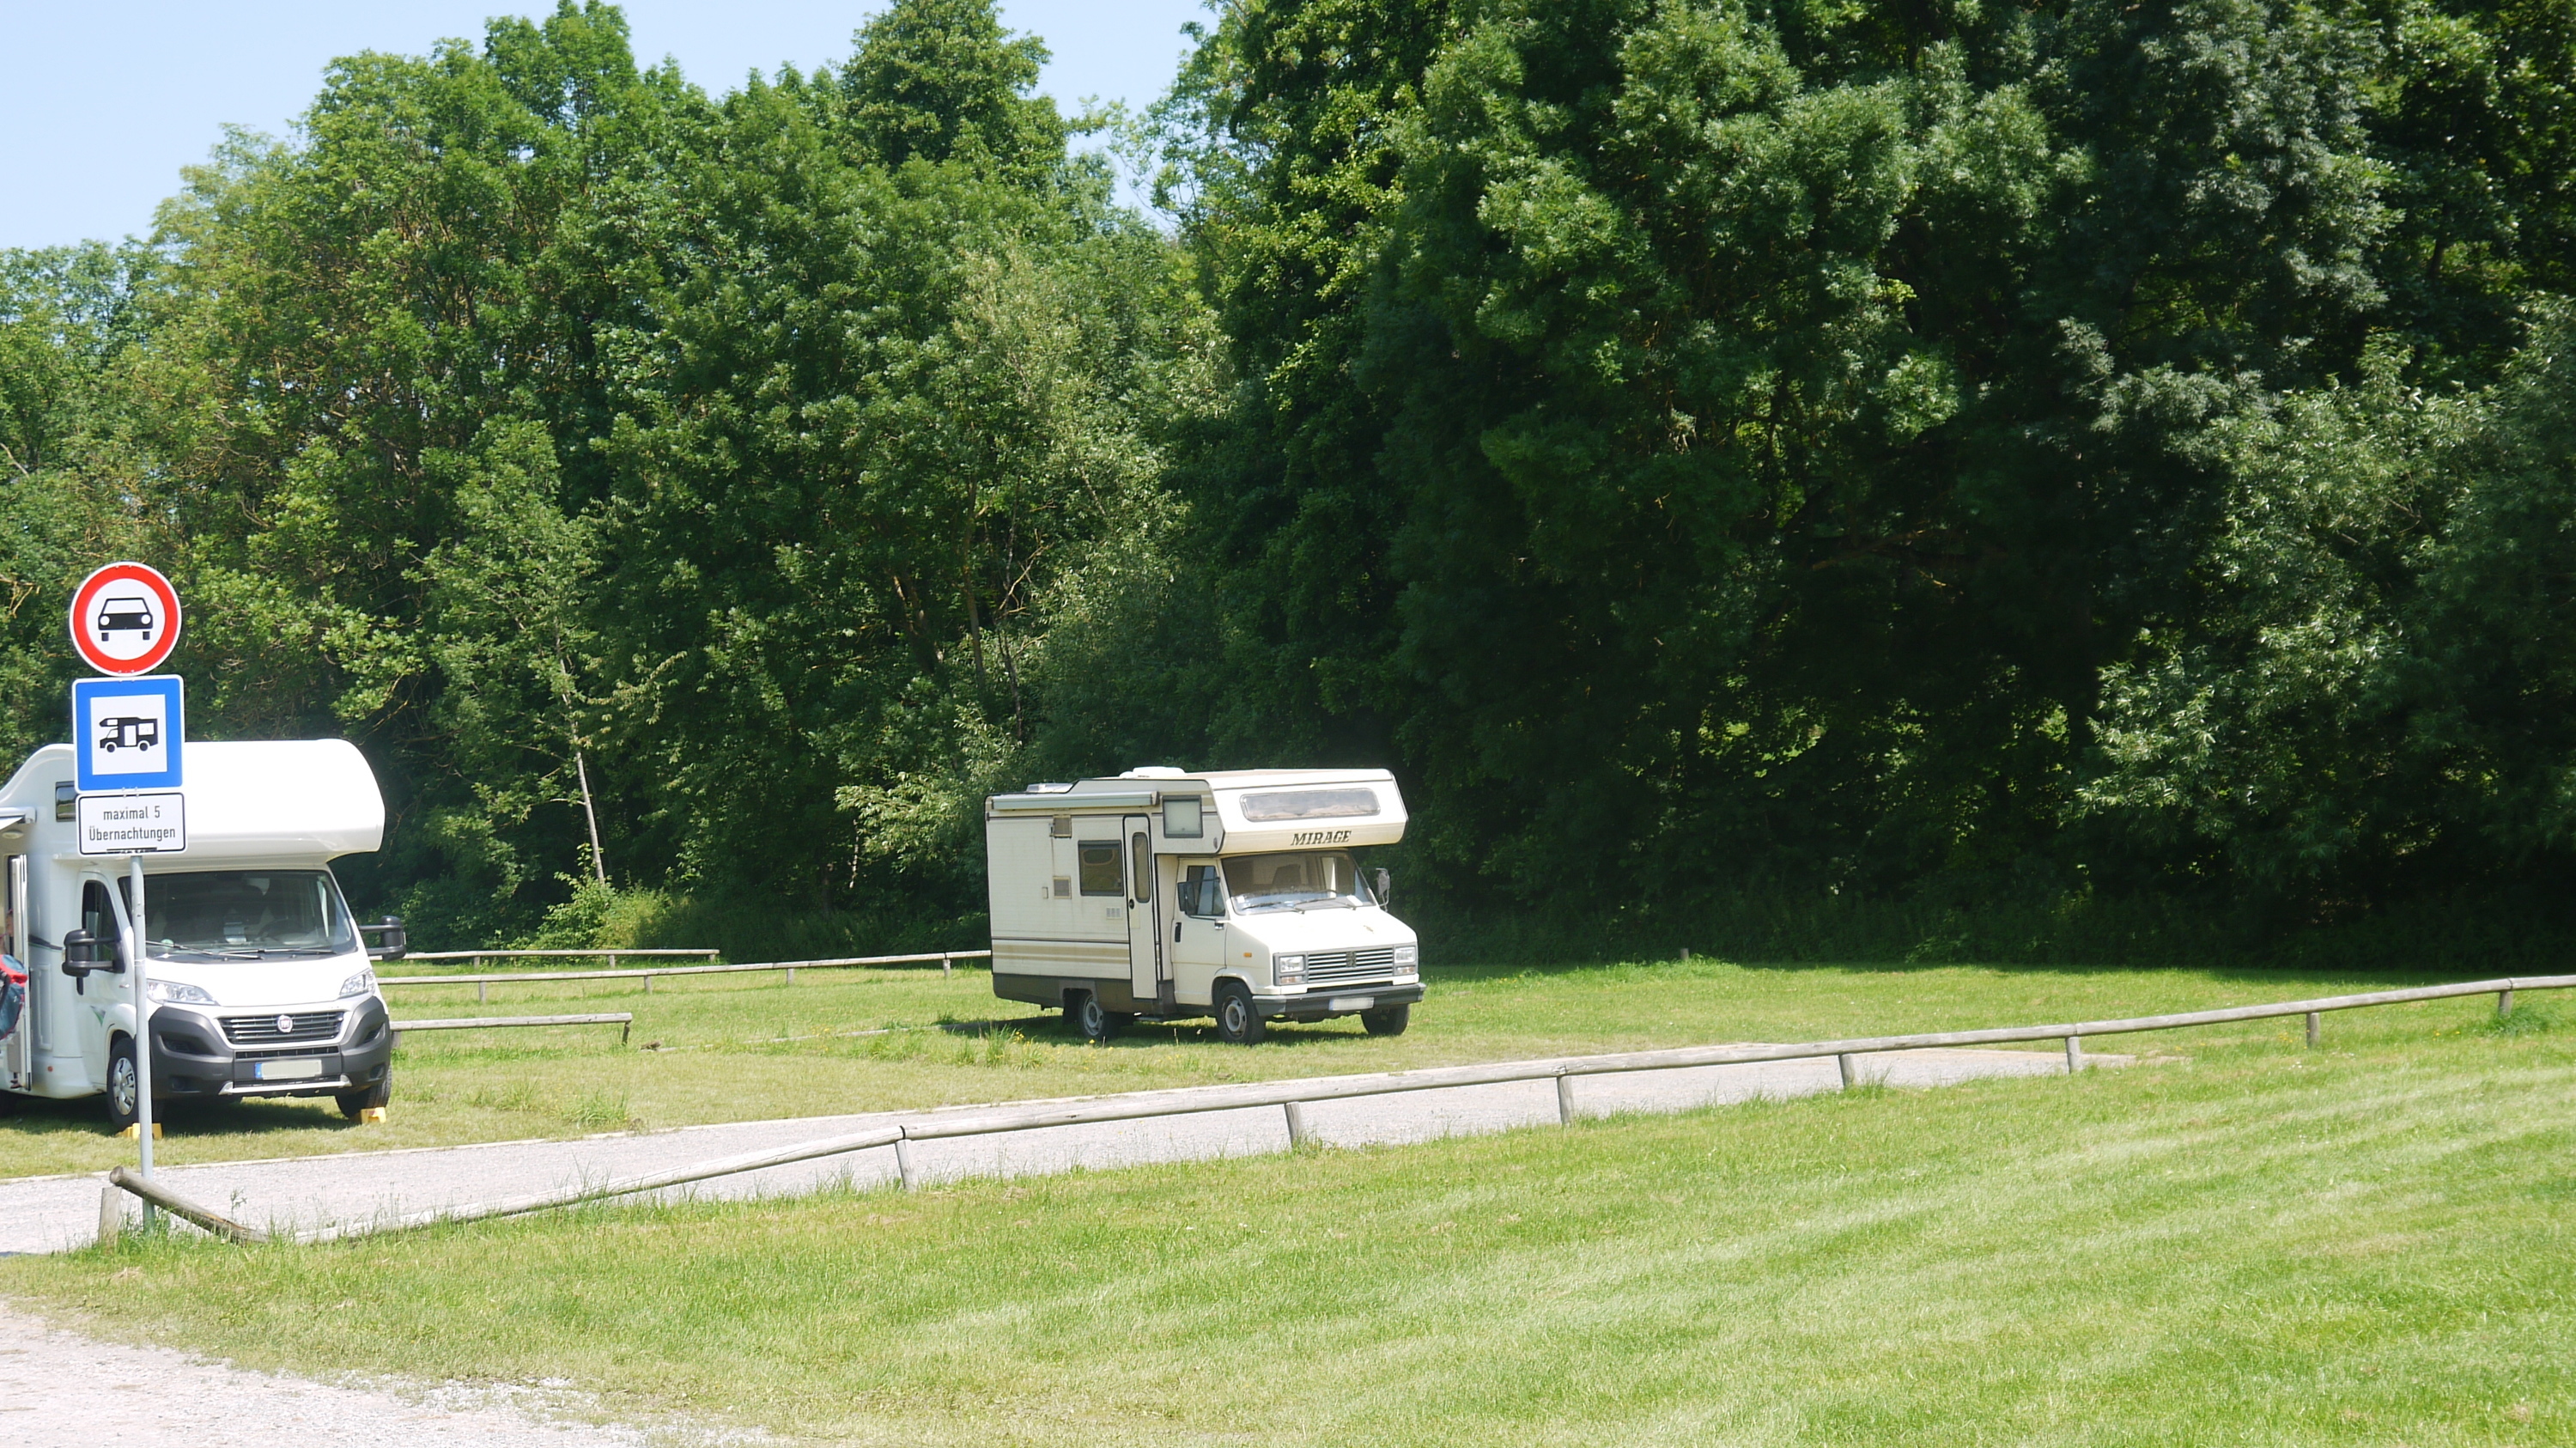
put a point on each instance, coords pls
(2260, 1244)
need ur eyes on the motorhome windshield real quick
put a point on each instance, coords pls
(1306, 878)
(247, 915)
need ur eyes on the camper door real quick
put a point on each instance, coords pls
(1144, 914)
(18, 1052)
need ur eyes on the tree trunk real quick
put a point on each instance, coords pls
(590, 811)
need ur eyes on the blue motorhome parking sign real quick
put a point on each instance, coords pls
(129, 734)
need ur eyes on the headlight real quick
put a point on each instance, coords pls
(178, 993)
(363, 983)
(1288, 969)
(1408, 957)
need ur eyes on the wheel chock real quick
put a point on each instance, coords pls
(371, 1116)
(128, 1133)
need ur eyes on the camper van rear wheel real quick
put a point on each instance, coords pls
(124, 1084)
(1096, 1021)
(1237, 1023)
(1387, 1020)
(369, 1098)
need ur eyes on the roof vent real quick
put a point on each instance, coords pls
(1048, 789)
(1155, 771)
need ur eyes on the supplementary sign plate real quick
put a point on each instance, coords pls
(134, 824)
(129, 733)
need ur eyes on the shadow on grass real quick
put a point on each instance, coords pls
(40, 1117)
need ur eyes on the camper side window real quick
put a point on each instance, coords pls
(1099, 866)
(98, 917)
(1203, 892)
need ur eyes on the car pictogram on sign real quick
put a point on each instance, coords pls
(124, 613)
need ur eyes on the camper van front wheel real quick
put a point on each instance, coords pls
(376, 1097)
(1237, 1022)
(1387, 1020)
(124, 1084)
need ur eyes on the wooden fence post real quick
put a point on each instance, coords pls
(111, 1216)
(903, 1164)
(482, 992)
(2504, 1002)
(1298, 1135)
(1845, 1062)
(2316, 1021)
(2074, 1054)
(1565, 1101)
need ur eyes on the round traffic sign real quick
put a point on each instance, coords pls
(125, 619)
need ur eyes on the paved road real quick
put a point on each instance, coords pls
(52, 1214)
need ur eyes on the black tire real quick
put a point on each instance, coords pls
(1237, 1022)
(1095, 1021)
(1387, 1020)
(368, 1098)
(124, 1084)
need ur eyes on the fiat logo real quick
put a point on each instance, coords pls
(286, 1025)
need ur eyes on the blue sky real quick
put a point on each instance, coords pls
(102, 103)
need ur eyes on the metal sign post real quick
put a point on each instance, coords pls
(128, 740)
(138, 961)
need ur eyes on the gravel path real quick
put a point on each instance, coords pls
(52, 1214)
(61, 1390)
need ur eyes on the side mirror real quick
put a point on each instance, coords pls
(391, 939)
(80, 957)
(1385, 885)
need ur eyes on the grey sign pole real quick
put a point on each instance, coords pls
(135, 963)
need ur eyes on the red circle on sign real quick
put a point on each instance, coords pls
(125, 619)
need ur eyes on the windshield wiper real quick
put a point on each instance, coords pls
(267, 950)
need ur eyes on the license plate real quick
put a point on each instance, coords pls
(1350, 1003)
(304, 1070)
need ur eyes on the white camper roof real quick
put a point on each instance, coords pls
(268, 801)
(1255, 809)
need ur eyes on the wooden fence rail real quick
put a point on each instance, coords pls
(483, 983)
(623, 1020)
(1291, 1096)
(535, 954)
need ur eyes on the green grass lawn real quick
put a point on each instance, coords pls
(2374, 1243)
(731, 1048)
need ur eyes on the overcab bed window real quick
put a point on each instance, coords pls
(1309, 804)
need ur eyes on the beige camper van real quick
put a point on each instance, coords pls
(1168, 895)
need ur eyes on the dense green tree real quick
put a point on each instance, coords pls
(1946, 449)
(1774, 420)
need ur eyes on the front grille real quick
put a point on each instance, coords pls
(1349, 965)
(263, 1031)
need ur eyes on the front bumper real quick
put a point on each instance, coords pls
(1317, 1004)
(192, 1058)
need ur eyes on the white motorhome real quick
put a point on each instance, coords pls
(1170, 895)
(261, 983)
